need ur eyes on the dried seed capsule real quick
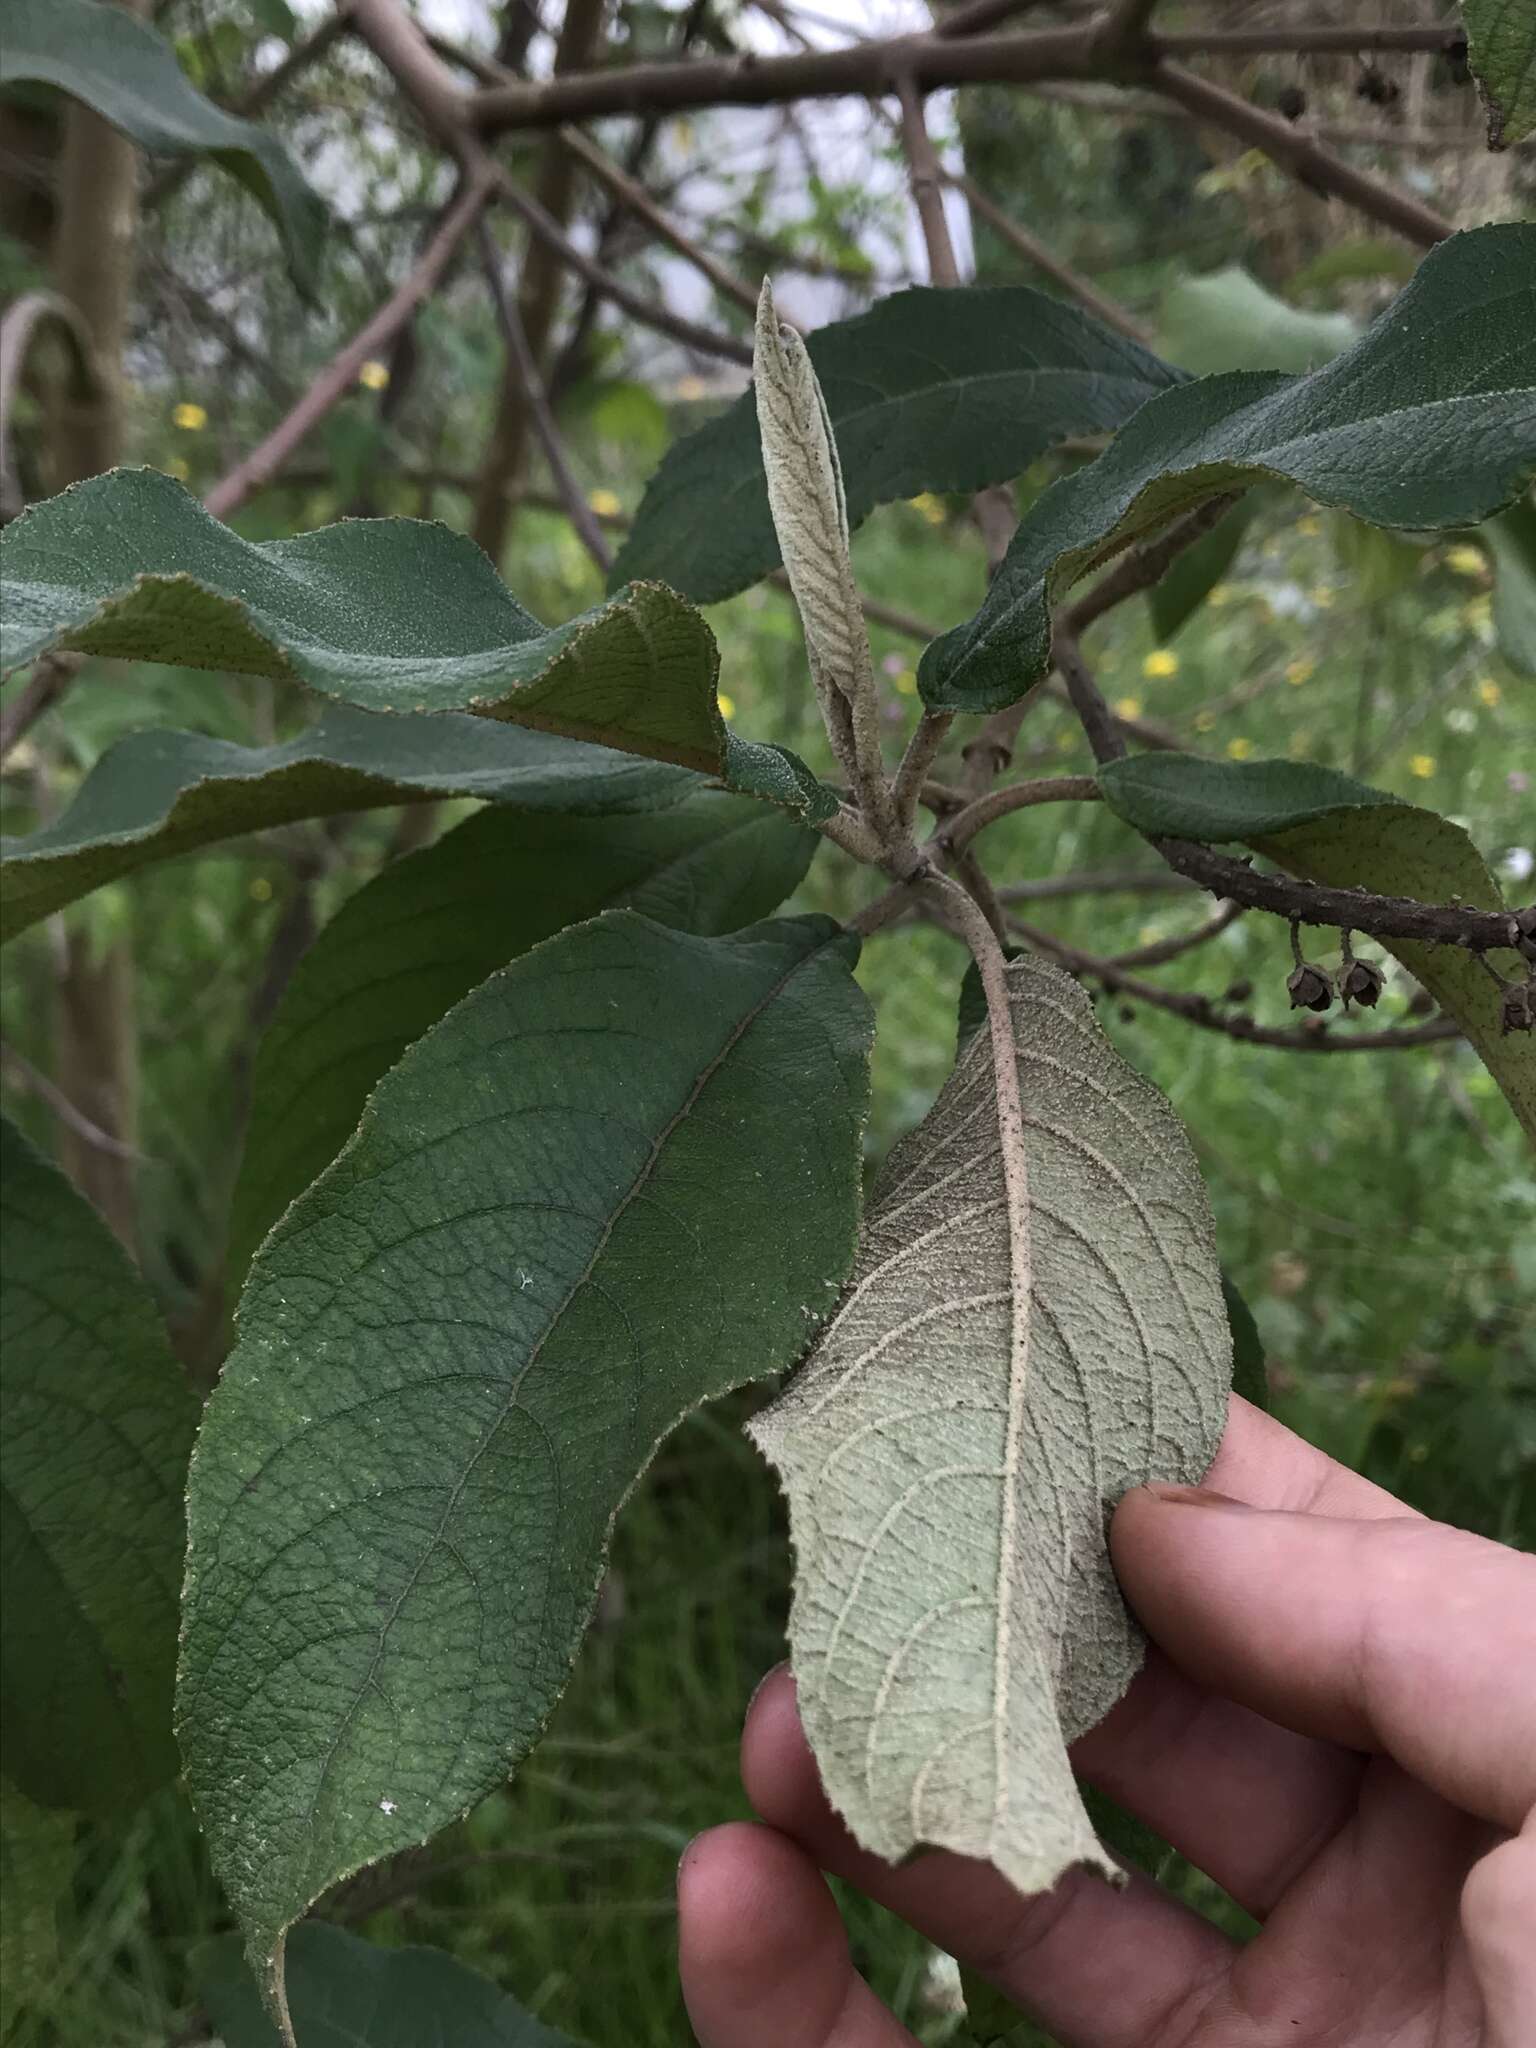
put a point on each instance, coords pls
(1518, 1011)
(1239, 992)
(1309, 988)
(1291, 101)
(1362, 983)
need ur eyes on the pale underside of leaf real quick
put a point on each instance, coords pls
(951, 1457)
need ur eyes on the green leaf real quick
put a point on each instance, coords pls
(346, 1993)
(387, 614)
(1511, 541)
(1228, 321)
(1501, 49)
(928, 391)
(619, 1178)
(1250, 1377)
(428, 928)
(951, 1453)
(1196, 572)
(1329, 828)
(37, 1865)
(1429, 421)
(159, 794)
(128, 73)
(96, 1423)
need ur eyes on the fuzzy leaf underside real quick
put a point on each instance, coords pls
(1428, 422)
(129, 74)
(346, 1993)
(401, 952)
(397, 615)
(619, 1178)
(1328, 828)
(156, 795)
(96, 1422)
(927, 391)
(956, 1622)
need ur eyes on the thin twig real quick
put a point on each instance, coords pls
(957, 832)
(1098, 721)
(24, 317)
(1157, 952)
(340, 374)
(927, 183)
(928, 737)
(24, 1075)
(1043, 259)
(51, 676)
(1098, 882)
(572, 497)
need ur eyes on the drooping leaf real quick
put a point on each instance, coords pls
(159, 794)
(620, 1177)
(1511, 541)
(951, 1454)
(387, 614)
(1193, 575)
(128, 73)
(427, 929)
(37, 1864)
(928, 391)
(1250, 1377)
(344, 1992)
(1329, 828)
(96, 1423)
(1427, 422)
(1228, 321)
(1501, 49)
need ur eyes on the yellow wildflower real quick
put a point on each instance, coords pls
(1466, 561)
(261, 889)
(1310, 525)
(1423, 766)
(1127, 707)
(373, 376)
(1299, 672)
(1162, 661)
(1220, 594)
(606, 504)
(176, 466)
(1239, 749)
(1488, 692)
(727, 705)
(191, 418)
(1205, 721)
(932, 508)
(905, 683)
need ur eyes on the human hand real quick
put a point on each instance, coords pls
(1336, 1721)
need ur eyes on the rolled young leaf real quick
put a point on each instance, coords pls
(401, 952)
(951, 1452)
(928, 391)
(386, 614)
(96, 1422)
(129, 75)
(1428, 421)
(1329, 828)
(619, 1178)
(155, 795)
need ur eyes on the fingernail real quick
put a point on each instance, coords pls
(772, 1672)
(1196, 1497)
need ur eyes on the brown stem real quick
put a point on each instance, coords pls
(1098, 721)
(24, 319)
(927, 183)
(340, 375)
(958, 832)
(1159, 951)
(1035, 253)
(49, 680)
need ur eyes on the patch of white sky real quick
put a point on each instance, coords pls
(844, 143)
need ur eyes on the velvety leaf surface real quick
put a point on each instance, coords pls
(386, 614)
(622, 1176)
(951, 1455)
(96, 1422)
(1428, 421)
(129, 75)
(1501, 49)
(346, 1993)
(37, 1865)
(158, 794)
(426, 929)
(928, 391)
(1329, 828)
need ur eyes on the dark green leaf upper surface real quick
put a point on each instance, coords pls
(1429, 421)
(129, 74)
(428, 928)
(158, 794)
(1330, 828)
(387, 614)
(619, 1178)
(928, 391)
(96, 1422)
(346, 1993)
(1501, 48)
